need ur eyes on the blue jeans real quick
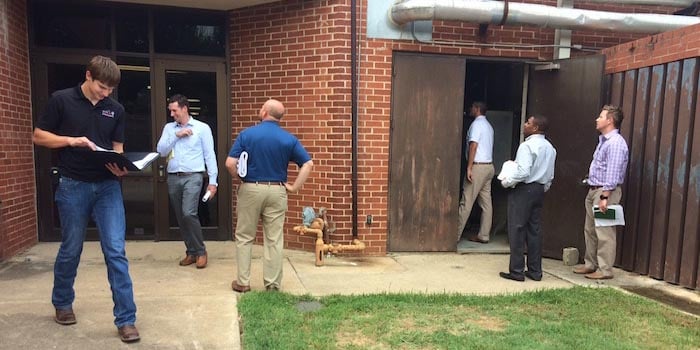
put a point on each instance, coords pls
(77, 202)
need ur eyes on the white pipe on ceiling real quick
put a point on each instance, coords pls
(671, 3)
(493, 12)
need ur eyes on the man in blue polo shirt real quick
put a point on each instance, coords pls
(77, 120)
(268, 150)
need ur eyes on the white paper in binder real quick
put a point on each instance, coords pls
(616, 219)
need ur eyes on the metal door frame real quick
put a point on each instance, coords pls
(223, 140)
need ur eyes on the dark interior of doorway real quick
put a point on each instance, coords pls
(500, 86)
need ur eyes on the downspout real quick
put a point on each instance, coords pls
(353, 111)
(496, 12)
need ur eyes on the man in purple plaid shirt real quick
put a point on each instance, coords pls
(605, 175)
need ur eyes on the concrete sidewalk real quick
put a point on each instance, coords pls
(185, 308)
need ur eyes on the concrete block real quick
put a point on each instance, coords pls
(570, 256)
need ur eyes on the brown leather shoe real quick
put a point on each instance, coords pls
(188, 260)
(202, 261)
(477, 239)
(239, 288)
(272, 288)
(598, 276)
(65, 317)
(583, 270)
(129, 333)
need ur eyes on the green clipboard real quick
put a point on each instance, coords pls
(609, 214)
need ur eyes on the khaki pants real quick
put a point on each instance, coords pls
(479, 188)
(601, 242)
(270, 203)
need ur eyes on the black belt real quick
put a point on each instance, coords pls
(482, 163)
(523, 184)
(597, 187)
(278, 183)
(185, 173)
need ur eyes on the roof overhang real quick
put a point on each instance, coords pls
(201, 4)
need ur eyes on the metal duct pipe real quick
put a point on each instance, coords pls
(512, 13)
(671, 3)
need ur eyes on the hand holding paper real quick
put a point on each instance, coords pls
(508, 169)
(614, 216)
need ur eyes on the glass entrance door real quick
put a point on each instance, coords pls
(142, 92)
(134, 93)
(204, 85)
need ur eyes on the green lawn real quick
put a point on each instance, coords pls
(575, 318)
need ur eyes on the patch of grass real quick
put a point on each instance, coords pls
(574, 318)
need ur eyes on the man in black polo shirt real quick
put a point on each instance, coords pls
(76, 121)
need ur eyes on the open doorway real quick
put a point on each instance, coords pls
(500, 86)
(429, 117)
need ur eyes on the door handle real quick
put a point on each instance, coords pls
(161, 173)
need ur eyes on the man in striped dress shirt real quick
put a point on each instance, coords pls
(605, 176)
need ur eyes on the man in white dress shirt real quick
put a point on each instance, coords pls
(480, 171)
(532, 177)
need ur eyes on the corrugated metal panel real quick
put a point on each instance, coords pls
(651, 149)
(664, 171)
(679, 177)
(662, 190)
(636, 143)
(616, 88)
(629, 92)
(689, 271)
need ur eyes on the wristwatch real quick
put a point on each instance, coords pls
(603, 197)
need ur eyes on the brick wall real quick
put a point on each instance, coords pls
(18, 229)
(299, 52)
(649, 51)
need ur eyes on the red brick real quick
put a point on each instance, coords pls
(17, 184)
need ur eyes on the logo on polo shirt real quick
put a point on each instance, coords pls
(107, 113)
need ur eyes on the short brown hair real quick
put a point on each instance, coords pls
(615, 113)
(181, 101)
(105, 70)
(481, 106)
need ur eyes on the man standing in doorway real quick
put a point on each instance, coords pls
(605, 175)
(265, 151)
(480, 171)
(76, 121)
(189, 145)
(533, 175)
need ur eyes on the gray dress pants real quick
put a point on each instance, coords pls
(525, 203)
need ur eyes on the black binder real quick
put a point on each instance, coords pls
(133, 161)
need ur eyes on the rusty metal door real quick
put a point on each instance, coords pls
(571, 97)
(425, 150)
